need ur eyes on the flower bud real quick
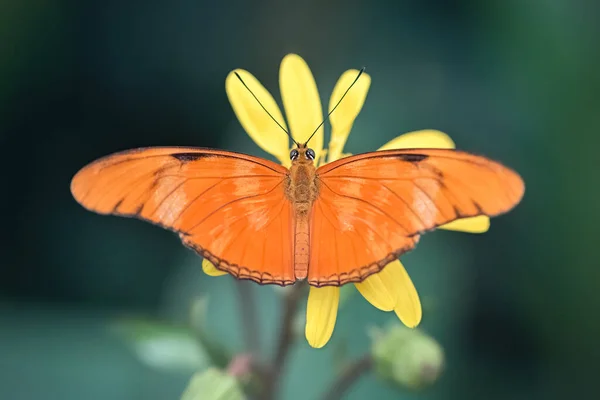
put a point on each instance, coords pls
(407, 357)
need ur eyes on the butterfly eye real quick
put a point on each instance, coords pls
(293, 154)
(310, 153)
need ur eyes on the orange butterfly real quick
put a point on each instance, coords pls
(331, 225)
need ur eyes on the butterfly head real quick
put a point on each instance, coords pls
(302, 154)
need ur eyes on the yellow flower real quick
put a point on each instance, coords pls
(389, 290)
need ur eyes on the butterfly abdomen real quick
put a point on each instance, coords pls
(301, 245)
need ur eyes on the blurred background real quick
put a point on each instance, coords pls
(516, 309)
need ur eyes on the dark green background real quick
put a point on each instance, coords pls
(516, 309)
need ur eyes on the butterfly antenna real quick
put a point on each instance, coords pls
(264, 108)
(337, 104)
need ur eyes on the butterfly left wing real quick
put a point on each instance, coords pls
(373, 207)
(228, 207)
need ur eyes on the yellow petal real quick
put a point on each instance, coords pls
(408, 305)
(301, 101)
(424, 139)
(478, 224)
(257, 123)
(210, 269)
(378, 290)
(321, 313)
(345, 114)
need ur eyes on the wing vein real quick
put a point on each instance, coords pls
(369, 224)
(169, 155)
(371, 178)
(432, 202)
(232, 202)
(381, 211)
(412, 210)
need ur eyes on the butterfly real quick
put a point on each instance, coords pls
(331, 225)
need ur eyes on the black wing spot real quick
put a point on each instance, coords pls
(414, 158)
(186, 157)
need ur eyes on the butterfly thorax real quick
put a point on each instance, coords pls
(302, 191)
(301, 187)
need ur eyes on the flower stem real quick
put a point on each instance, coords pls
(286, 338)
(348, 377)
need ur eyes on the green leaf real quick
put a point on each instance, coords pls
(213, 384)
(161, 345)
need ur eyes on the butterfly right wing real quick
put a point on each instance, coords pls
(373, 207)
(229, 207)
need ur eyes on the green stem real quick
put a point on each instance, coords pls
(349, 376)
(286, 338)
